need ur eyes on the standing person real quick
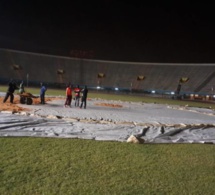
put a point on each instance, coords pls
(21, 88)
(68, 96)
(84, 97)
(11, 88)
(43, 90)
(77, 91)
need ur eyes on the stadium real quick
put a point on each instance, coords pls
(194, 82)
(148, 127)
(125, 77)
(71, 150)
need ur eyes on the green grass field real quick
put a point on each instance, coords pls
(72, 166)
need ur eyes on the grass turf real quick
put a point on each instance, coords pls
(72, 166)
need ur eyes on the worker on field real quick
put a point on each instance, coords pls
(43, 90)
(21, 88)
(68, 96)
(84, 97)
(11, 88)
(77, 91)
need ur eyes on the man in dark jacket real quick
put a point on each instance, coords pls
(84, 97)
(11, 88)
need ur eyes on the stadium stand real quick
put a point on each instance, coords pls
(58, 71)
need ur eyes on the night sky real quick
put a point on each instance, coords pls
(181, 32)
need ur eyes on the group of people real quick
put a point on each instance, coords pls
(12, 86)
(79, 94)
(11, 89)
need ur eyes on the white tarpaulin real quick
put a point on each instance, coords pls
(155, 123)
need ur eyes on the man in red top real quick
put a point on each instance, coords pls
(68, 96)
(77, 91)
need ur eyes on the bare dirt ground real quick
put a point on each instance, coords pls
(16, 106)
(109, 105)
